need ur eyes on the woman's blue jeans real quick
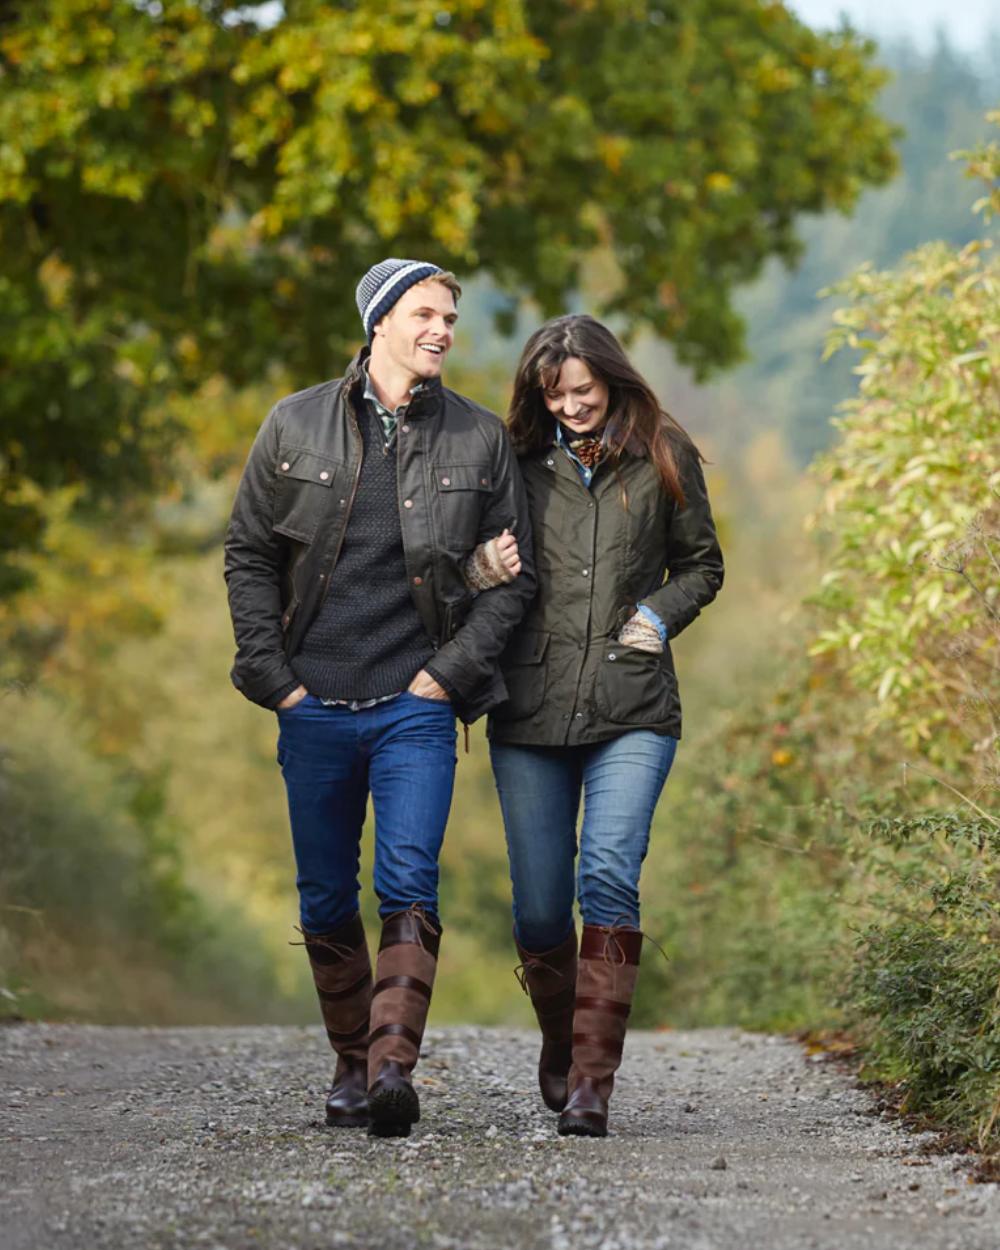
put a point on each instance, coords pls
(540, 790)
(402, 752)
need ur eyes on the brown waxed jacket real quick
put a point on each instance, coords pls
(459, 485)
(596, 558)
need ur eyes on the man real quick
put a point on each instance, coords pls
(360, 503)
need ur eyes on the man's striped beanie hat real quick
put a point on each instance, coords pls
(384, 283)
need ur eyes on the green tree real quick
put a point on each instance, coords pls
(186, 195)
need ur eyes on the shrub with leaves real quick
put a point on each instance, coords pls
(97, 918)
(912, 506)
(912, 605)
(926, 978)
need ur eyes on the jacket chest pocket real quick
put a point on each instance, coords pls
(461, 492)
(302, 488)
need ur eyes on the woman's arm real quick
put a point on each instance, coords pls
(694, 558)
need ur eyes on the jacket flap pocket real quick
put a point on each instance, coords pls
(527, 648)
(463, 477)
(306, 466)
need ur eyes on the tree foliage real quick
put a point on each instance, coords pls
(184, 194)
(912, 503)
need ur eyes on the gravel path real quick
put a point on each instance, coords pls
(213, 1138)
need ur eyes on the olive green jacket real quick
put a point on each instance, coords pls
(596, 558)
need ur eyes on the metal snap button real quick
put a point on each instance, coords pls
(550, 463)
(612, 656)
(484, 481)
(586, 572)
(407, 503)
(323, 476)
(579, 716)
(405, 429)
(418, 581)
(446, 481)
(285, 466)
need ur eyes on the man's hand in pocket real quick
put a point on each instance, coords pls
(425, 687)
(290, 700)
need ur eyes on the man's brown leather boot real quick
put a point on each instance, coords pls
(550, 980)
(605, 982)
(404, 980)
(342, 971)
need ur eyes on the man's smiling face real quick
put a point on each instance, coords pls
(419, 329)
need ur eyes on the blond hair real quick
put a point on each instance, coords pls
(446, 279)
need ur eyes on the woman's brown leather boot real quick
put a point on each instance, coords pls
(605, 982)
(404, 980)
(550, 980)
(342, 971)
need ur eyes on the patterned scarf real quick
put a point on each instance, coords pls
(588, 448)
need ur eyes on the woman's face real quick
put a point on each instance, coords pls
(576, 397)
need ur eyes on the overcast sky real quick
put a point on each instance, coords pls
(967, 22)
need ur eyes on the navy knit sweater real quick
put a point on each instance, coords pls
(367, 639)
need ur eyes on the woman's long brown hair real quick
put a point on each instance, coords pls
(636, 421)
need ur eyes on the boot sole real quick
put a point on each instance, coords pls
(392, 1112)
(358, 1119)
(573, 1127)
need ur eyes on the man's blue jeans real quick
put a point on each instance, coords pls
(403, 753)
(540, 790)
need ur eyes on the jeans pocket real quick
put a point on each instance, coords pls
(424, 698)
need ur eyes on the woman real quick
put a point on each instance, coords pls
(617, 501)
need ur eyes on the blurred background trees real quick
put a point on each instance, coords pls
(186, 200)
(187, 197)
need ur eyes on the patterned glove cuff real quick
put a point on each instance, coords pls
(641, 633)
(484, 568)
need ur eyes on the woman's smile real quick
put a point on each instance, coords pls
(576, 397)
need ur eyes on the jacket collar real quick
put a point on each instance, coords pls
(426, 402)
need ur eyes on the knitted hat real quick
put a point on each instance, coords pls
(384, 283)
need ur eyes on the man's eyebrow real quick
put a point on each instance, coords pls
(428, 308)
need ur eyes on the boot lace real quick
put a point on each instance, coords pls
(320, 939)
(416, 910)
(614, 952)
(531, 964)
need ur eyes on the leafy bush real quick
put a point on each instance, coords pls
(926, 975)
(912, 621)
(96, 918)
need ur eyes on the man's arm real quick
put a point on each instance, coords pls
(468, 660)
(253, 564)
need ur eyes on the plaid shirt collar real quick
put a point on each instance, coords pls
(389, 418)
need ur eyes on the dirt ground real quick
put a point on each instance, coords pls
(156, 1138)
